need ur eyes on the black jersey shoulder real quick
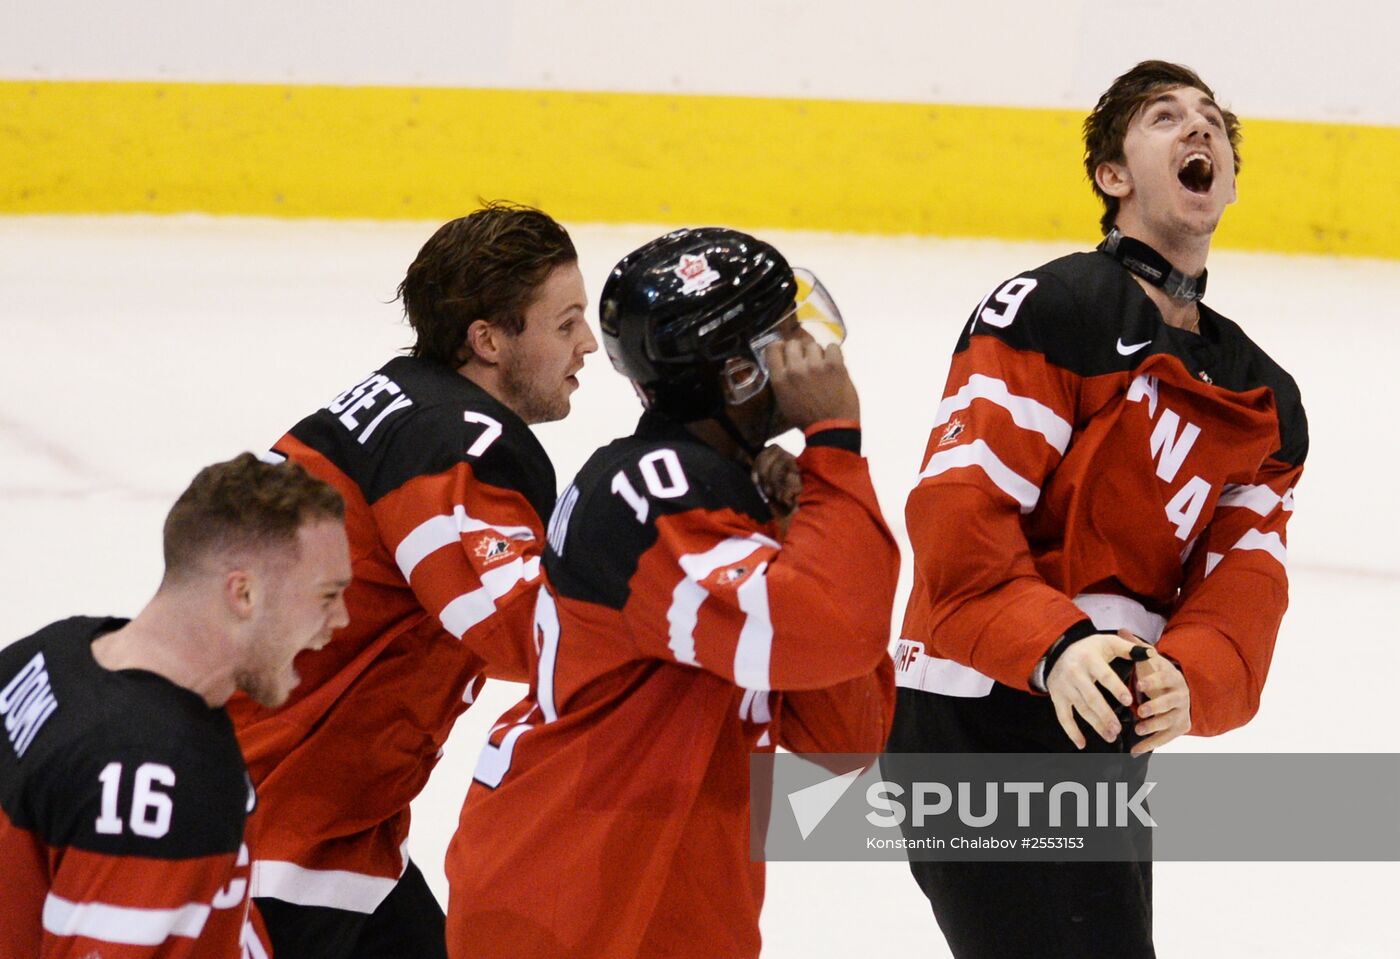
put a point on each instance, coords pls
(597, 537)
(1083, 312)
(171, 764)
(1235, 362)
(415, 418)
(1074, 311)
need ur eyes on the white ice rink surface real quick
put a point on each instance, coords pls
(136, 350)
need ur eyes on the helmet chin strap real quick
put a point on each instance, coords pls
(737, 435)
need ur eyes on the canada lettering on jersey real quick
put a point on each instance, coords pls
(1170, 444)
(26, 702)
(363, 407)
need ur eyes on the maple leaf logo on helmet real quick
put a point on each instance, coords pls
(695, 273)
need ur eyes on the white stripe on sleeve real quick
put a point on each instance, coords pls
(755, 649)
(1026, 412)
(689, 594)
(122, 925)
(472, 607)
(433, 534)
(330, 888)
(1259, 499)
(1270, 543)
(979, 454)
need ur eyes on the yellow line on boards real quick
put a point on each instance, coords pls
(430, 153)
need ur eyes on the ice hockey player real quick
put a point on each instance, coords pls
(679, 629)
(1123, 457)
(446, 492)
(123, 796)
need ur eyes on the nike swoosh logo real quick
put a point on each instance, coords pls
(1126, 350)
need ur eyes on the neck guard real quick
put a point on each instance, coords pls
(1141, 260)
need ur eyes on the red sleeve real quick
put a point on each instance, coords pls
(471, 553)
(129, 907)
(1236, 590)
(716, 591)
(1002, 428)
(850, 717)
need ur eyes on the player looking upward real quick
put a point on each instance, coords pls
(680, 629)
(1125, 458)
(445, 488)
(123, 797)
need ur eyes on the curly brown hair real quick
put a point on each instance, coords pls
(1107, 125)
(486, 265)
(244, 504)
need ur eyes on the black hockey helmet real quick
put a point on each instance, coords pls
(686, 317)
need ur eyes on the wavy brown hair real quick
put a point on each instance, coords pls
(486, 265)
(1107, 125)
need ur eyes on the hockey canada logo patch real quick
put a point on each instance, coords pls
(734, 573)
(492, 548)
(695, 273)
(952, 432)
(729, 576)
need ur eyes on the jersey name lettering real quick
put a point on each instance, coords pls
(559, 520)
(362, 399)
(26, 702)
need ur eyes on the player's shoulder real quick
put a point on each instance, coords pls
(45, 679)
(1249, 366)
(1071, 311)
(416, 418)
(608, 517)
(460, 421)
(1051, 307)
(126, 762)
(673, 470)
(169, 783)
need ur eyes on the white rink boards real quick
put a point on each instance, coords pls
(136, 350)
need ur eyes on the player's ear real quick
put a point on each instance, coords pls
(239, 592)
(1114, 179)
(484, 342)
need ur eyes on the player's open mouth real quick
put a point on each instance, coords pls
(1197, 172)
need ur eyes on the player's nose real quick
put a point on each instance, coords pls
(588, 343)
(340, 615)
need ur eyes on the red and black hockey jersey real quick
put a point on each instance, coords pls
(122, 805)
(444, 488)
(609, 815)
(1091, 464)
